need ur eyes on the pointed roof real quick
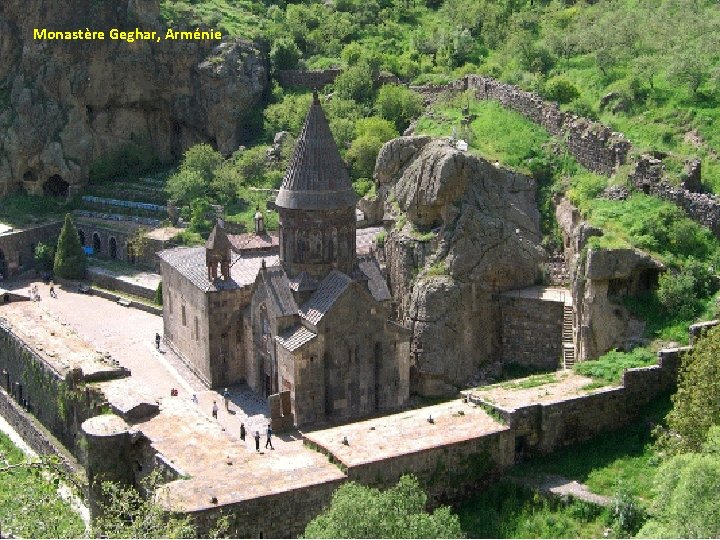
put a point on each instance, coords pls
(218, 240)
(316, 178)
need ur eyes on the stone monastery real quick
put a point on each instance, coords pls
(301, 314)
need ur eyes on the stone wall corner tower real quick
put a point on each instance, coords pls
(316, 204)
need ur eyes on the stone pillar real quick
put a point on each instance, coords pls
(108, 456)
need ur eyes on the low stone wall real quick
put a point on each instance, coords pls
(17, 248)
(316, 78)
(107, 281)
(36, 436)
(155, 310)
(532, 332)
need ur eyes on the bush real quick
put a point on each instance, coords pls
(561, 89)
(129, 160)
(676, 293)
(70, 260)
(608, 369)
(44, 257)
(356, 83)
(360, 512)
(159, 294)
(399, 105)
(284, 54)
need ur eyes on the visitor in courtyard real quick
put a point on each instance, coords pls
(194, 399)
(242, 431)
(257, 441)
(226, 397)
(214, 409)
(269, 441)
(157, 340)
(52, 291)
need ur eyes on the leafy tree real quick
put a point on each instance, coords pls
(677, 293)
(686, 501)
(356, 83)
(360, 512)
(696, 405)
(138, 244)
(373, 126)
(187, 185)
(200, 209)
(288, 115)
(284, 54)
(561, 89)
(398, 104)
(70, 260)
(44, 257)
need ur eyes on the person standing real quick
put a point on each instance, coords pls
(52, 291)
(214, 409)
(226, 397)
(269, 435)
(157, 340)
(242, 431)
(257, 441)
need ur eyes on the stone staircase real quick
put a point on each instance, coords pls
(567, 337)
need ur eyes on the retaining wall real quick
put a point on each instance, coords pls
(17, 248)
(532, 332)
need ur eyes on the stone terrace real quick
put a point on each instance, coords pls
(404, 433)
(512, 395)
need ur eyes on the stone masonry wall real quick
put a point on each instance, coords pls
(17, 248)
(532, 332)
(315, 78)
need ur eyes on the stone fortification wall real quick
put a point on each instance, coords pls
(545, 427)
(449, 472)
(313, 78)
(110, 282)
(17, 248)
(36, 435)
(282, 515)
(532, 332)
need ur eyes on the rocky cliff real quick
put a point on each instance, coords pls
(63, 104)
(464, 231)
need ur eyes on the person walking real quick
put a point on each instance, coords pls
(52, 291)
(242, 431)
(214, 409)
(257, 441)
(157, 340)
(226, 397)
(269, 435)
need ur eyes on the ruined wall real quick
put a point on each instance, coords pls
(532, 332)
(17, 248)
(312, 78)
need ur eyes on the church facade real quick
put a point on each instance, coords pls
(300, 312)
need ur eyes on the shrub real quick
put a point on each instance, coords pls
(284, 54)
(159, 294)
(676, 293)
(44, 257)
(70, 260)
(560, 89)
(356, 83)
(399, 105)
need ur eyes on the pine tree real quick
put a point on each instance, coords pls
(70, 260)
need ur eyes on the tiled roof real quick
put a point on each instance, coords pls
(330, 289)
(316, 177)
(255, 242)
(376, 283)
(190, 262)
(218, 239)
(278, 288)
(295, 337)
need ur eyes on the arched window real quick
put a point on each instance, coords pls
(81, 235)
(97, 245)
(113, 248)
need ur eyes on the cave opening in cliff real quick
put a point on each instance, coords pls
(55, 186)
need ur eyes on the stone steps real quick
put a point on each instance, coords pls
(568, 338)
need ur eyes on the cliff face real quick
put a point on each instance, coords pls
(483, 238)
(64, 104)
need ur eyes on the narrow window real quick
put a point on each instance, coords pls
(184, 317)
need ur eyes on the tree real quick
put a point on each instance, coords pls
(360, 512)
(284, 54)
(686, 494)
(356, 83)
(70, 260)
(159, 294)
(696, 405)
(560, 89)
(186, 185)
(44, 257)
(138, 244)
(399, 105)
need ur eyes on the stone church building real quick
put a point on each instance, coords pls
(299, 312)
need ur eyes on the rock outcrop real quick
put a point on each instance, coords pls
(64, 104)
(464, 231)
(601, 278)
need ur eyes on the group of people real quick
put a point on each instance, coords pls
(34, 292)
(243, 431)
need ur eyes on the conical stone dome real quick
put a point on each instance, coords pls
(316, 178)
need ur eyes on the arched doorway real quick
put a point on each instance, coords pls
(55, 186)
(113, 248)
(97, 245)
(81, 234)
(3, 266)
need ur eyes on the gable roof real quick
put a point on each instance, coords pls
(278, 290)
(295, 337)
(376, 283)
(218, 239)
(330, 289)
(316, 177)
